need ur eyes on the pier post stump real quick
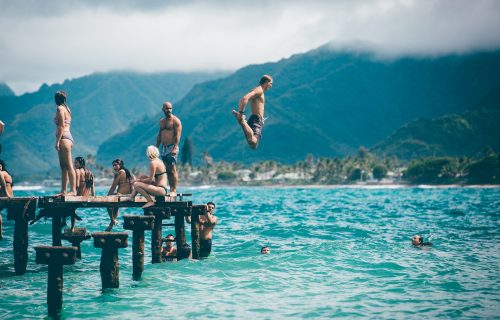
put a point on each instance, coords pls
(21, 212)
(138, 224)
(156, 235)
(197, 211)
(180, 230)
(55, 257)
(76, 238)
(110, 242)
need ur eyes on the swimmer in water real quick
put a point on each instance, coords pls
(418, 241)
(265, 250)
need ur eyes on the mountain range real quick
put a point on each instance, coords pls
(324, 102)
(102, 104)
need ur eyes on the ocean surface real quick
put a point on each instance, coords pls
(335, 252)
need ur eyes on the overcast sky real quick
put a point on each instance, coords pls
(50, 40)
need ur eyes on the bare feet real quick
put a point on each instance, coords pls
(240, 117)
(59, 195)
(71, 193)
(148, 204)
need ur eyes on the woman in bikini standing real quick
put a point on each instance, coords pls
(64, 143)
(122, 184)
(156, 183)
(5, 188)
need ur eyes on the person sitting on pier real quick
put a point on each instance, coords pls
(207, 225)
(5, 189)
(5, 182)
(122, 185)
(64, 143)
(156, 183)
(169, 252)
(84, 179)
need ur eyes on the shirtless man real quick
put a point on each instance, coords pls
(169, 252)
(169, 137)
(253, 127)
(207, 225)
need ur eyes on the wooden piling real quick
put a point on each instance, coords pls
(21, 211)
(180, 230)
(138, 224)
(156, 235)
(110, 242)
(196, 212)
(76, 238)
(55, 257)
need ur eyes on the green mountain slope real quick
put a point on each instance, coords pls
(102, 105)
(464, 134)
(5, 90)
(323, 102)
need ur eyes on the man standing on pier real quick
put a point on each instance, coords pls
(253, 127)
(169, 137)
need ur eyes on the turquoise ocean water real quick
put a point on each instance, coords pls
(335, 252)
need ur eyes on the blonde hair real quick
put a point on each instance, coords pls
(152, 152)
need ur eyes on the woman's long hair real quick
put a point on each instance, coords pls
(127, 172)
(2, 163)
(89, 177)
(60, 99)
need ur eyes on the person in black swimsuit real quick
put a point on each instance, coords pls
(155, 184)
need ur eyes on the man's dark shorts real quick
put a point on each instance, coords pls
(205, 248)
(167, 156)
(255, 123)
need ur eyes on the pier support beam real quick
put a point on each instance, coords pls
(197, 211)
(21, 212)
(110, 242)
(180, 230)
(55, 257)
(156, 235)
(138, 224)
(76, 238)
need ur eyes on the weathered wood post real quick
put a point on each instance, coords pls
(138, 224)
(55, 257)
(180, 230)
(76, 238)
(110, 242)
(21, 212)
(156, 235)
(196, 212)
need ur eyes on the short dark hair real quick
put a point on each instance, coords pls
(262, 249)
(210, 202)
(265, 78)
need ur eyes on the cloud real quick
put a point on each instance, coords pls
(49, 41)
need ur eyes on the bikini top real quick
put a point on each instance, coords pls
(159, 174)
(66, 121)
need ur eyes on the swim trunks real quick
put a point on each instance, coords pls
(205, 248)
(255, 123)
(167, 156)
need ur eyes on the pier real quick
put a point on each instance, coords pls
(25, 211)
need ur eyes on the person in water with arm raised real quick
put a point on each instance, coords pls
(168, 139)
(253, 127)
